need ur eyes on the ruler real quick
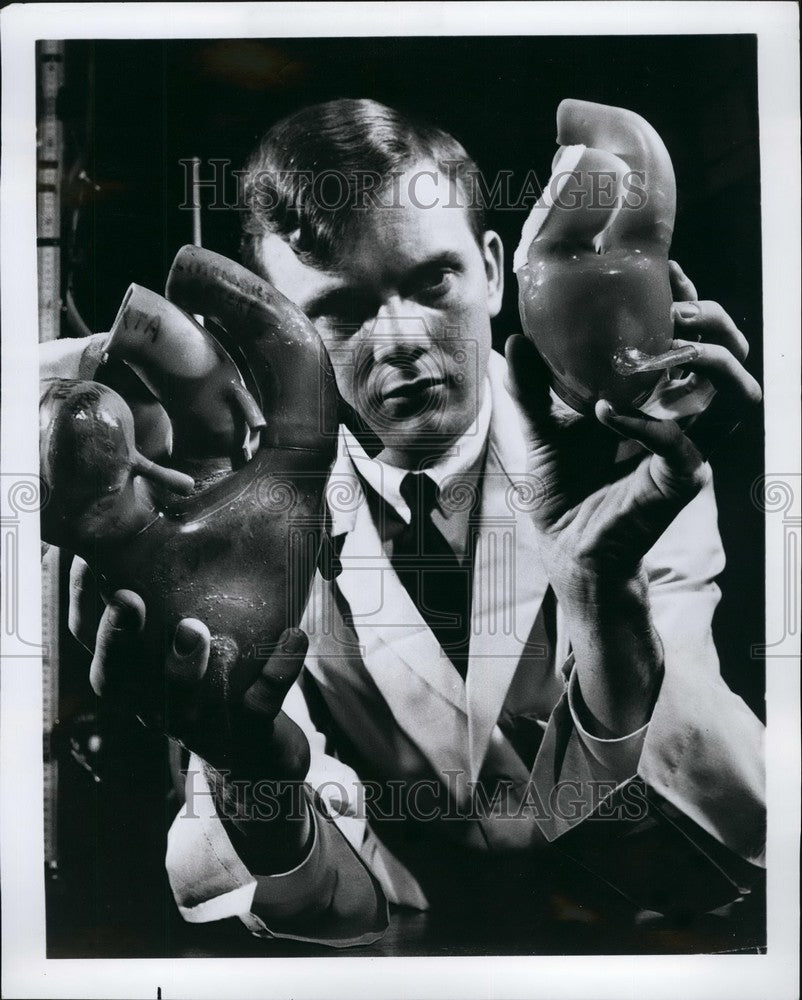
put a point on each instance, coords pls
(50, 65)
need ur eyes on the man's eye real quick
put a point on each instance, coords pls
(344, 311)
(436, 284)
(335, 327)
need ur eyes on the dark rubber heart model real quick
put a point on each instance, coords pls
(238, 553)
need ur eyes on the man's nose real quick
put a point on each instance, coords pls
(399, 330)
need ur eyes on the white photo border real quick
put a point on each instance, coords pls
(26, 971)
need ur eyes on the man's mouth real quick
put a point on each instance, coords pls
(405, 388)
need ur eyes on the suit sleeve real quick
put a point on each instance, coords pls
(684, 795)
(71, 357)
(330, 898)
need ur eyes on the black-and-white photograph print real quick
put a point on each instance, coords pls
(409, 554)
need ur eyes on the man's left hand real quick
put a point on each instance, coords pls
(596, 525)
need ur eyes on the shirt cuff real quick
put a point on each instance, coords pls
(330, 898)
(620, 755)
(303, 889)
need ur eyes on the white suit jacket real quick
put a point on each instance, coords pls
(397, 702)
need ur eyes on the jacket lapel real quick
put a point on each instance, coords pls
(423, 690)
(509, 582)
(450, 722)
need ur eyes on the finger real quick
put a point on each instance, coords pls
(677, 468)
(265, 696)
(527, 381)
(185, 667)
(710, 322)
(724, 371)
(116, 664)
(737, 393)
(682, 288)
(82, 617)
(189, 657)
(658, 489)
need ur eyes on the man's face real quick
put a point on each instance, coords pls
(406, 316)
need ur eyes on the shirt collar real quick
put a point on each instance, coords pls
(463, 459)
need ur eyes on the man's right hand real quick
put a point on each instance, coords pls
(263, 744)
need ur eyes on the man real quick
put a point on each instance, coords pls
(578, 673)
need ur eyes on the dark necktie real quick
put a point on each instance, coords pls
(431, 573)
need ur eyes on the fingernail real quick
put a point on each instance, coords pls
(686, 310)
(123, 616)
(186, 639)
(293, 641)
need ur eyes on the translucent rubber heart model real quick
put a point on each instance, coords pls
(240, 553)
(592, 265)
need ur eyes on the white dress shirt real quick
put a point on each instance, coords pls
(458, 471)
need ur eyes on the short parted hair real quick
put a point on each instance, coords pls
(315, 170)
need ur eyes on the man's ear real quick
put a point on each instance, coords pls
(493, 252)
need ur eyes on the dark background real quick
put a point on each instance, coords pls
(133, 109)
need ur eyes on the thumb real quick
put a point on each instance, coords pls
(527, 381)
